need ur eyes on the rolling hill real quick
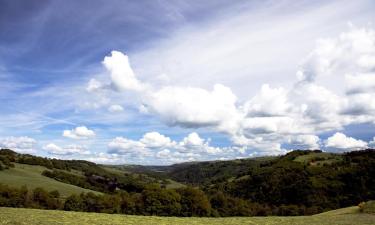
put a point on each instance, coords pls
(295, 184)
(31, 176)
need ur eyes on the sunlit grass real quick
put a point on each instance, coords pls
(32, 177)
(46, 217)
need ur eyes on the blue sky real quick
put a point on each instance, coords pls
(161, 82)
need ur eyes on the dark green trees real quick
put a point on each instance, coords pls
(194, 202)
(157, 201)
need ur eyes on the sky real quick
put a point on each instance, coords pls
(162, 82)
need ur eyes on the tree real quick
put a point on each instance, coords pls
(74, 203)
(161, 202)
(194, 202)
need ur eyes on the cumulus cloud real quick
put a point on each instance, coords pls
(165, 153)
(193, 140)
(351, 52)
(81, 132)
(54, 149)
(115, 108)
(160, 146)
(346, 62)
(176, 105)
(269, 102)
(260, 145)
(168, 156)
(194, 143)
(341, 142)
(274, 115)
(22, 144)
(122, 75)
(193, 107)
(305, 141)
(122, 146)
(266, 113)
(156, 140)
(319, 108)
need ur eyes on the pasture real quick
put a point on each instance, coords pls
(14, 216)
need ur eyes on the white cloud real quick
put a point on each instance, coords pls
(168, 156)
(360, 83)
(260, 145)
(260, 125)
(305, 141)
(345, 65)
(165, 153)
(122, 75)
(193, 140)
(193, 143)
(115, 108)
(54, 149)
(269, 102)
(123, 146)
(193, 107)
(22, 144)
(81, 132)
(319, 107)
(184, 106)
(341, 142)
(156, 140)
(105, 158)
(273, 116)
(156, 144)
(351, 52)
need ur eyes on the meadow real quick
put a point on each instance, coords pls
(14, 216)
(31, 176)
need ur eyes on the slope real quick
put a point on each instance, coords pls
(31, 176)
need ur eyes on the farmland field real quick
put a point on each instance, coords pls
(13, 216)
(32, 177)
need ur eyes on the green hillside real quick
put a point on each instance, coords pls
(295, 184)
(11, 216)
(31, 176)
(319, 158)
(147, 177)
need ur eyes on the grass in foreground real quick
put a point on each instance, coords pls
(15, 216)
(32, 177)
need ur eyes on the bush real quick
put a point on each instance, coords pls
(73, 203)
(46, 200)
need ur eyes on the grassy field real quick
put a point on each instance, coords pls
(46, 217)
(320, 158)
(30, 176)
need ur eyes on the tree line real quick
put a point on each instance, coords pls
(153, 200)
